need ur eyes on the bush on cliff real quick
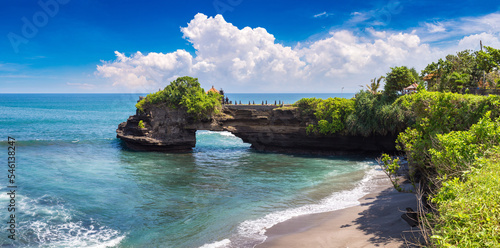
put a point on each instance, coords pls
(331, 114)
(435, 113)
(185, 92)
(141, 124)
(375, 115)
(366, 114)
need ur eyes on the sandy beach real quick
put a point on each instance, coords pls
(376, 222)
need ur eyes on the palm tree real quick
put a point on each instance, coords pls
(456, 81)
(373, 87)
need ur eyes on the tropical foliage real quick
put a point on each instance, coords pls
(375, 85)
(366, 114)
(451, 141)
(397, 79)
(375, 115)
(438, 113)
(185, 92)
(465, 69)
(330, 114)
(468, 201)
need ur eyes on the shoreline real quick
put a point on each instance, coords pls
(376, 222)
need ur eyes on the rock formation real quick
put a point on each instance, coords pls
(267, 128)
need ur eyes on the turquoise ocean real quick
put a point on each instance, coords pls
(78, 186)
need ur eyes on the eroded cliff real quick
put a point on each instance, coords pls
(267, 128)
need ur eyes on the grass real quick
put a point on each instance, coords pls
(469, 210)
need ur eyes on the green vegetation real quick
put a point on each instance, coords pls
(391, 167)
(451, 141)
(435, 113)
(331, 114)
(375, 85)
(185, 92)
(366, 114)
(468, 200)
(141, 124)
(397, 79)
(375, 115)
(465, 69)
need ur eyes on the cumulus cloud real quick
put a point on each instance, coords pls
(472, 41)
(250, 59)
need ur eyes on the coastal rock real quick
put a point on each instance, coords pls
(165, 130)
(265, 127)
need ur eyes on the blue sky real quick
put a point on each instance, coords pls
(73, 46)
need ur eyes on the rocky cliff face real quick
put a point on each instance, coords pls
(267, 128)
(165, 130)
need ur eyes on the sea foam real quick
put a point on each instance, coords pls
(252, 232)
(48, 222)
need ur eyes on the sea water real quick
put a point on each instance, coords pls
(78, 186)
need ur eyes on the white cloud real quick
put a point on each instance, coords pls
(358, 17)
(472, 41)
(458, 28)
(435, 28)
(488, 23)
(250, 59)
(224, 54)
(380, 16)
(322, 14)
(354, 60)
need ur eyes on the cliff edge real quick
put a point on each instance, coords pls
(266, 128)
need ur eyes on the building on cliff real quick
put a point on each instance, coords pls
(213, 90)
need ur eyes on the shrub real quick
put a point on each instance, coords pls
(141, 124)
(469, 195)
(330, 114)
(436, 113)
(185, 92)
(307, 106)
(391, 167)
(469, 213)
(455, 152)
(375, 114)
(366, 114)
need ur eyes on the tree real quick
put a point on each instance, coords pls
(415, 75)
(488, 60)
(440, 75)
(455, 82)
(430, 75)
(185, 92)
(396, 80)
(373, 87)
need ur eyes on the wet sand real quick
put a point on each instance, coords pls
(376, 222)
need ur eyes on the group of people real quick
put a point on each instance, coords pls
(225, 99)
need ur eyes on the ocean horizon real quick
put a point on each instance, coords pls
(79, 186)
